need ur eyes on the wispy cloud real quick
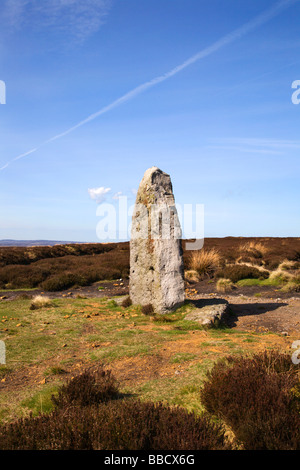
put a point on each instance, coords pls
(76, 18)
(254, 145)
(98, 194)
(258, 21)
(117, 195)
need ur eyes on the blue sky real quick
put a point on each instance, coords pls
(223, 124)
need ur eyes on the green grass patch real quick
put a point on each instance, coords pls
(50, 340)
(29, 289)
(182, 357)
(260, 282)
(41, 401)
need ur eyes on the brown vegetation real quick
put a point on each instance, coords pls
(86, 418)
(258, 398)
(60, 267)
(204, 262)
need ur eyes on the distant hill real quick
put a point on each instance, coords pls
(9, 242)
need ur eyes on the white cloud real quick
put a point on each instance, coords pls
(77, 18)
(118, 195)
(98, 194)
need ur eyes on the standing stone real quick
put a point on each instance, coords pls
(156, 262)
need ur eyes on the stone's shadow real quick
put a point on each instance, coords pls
(235, 311)
(231, 314)
(200, 303)
(122, 396)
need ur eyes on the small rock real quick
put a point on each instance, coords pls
(209, 313)
(285, 333)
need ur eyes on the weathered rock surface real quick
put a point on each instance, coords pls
(208, 312)
(156, 262)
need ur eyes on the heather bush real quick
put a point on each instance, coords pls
(93, 386)
(127, 302)
(63, 282)
(118, 425)
(240, 271)
(28, 255)
(147, 309)
(62, 267)
(18, 276)
(256, 398)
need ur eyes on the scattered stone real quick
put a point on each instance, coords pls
(120, 299)
(208, 312)
(156, 261)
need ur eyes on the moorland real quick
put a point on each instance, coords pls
(65, 309)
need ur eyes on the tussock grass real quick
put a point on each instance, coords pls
(40, 301)
(280, 275)
(288, 265)
(291, 286)
(191, 276)
(252, 247)
(205, 262)
(224, 285)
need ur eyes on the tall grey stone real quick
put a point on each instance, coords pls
(156, 262)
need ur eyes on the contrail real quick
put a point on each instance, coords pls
(224, 41)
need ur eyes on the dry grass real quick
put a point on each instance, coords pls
(251, 265)
(191, 276)
(288, 265)
(253, 246)
(291, 286)
(40, 301)
(280, 274)
(205, 262)
(224, 285)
